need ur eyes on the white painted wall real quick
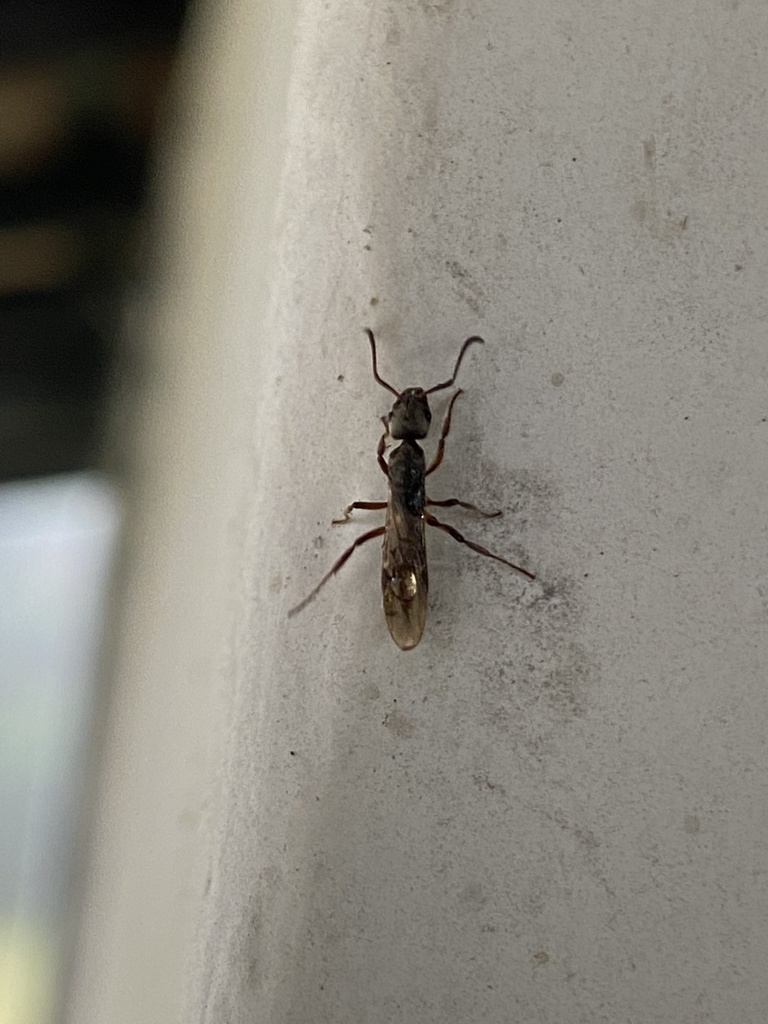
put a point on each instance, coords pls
(553, 810)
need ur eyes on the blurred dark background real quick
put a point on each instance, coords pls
(82, 86)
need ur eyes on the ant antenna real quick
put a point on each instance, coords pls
(464, 347)
(383, 383)
(437, 387)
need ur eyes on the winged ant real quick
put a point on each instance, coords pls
(404, 579)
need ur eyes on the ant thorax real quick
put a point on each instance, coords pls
(407, 466)
(410, 416)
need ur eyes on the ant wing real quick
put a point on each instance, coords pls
(404, 581)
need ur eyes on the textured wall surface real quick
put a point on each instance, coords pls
(552, 810)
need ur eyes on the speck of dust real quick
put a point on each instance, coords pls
(557, 379)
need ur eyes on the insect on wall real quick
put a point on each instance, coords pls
(404, 576)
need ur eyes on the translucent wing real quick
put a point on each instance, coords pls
(404, 581)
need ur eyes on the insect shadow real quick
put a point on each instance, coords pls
(404, 578)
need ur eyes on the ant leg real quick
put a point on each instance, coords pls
(441, 443)
(378, 532)
(448, 502)
(382, 447)
(385, 469)
(471, 544)
(347, 513)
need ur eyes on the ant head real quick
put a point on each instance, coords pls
(410, 416)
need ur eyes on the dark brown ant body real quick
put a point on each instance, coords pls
(404, 578)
